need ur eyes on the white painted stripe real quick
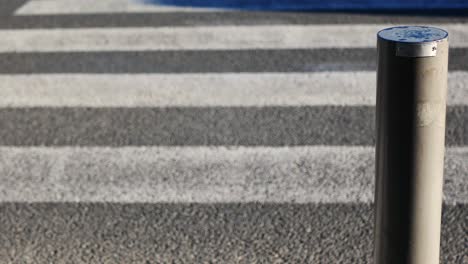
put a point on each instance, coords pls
(62, 7)
(172, 90)
(316, 174)
(203, 38)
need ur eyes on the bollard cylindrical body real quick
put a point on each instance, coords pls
(410, 125)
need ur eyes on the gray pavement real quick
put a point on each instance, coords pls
(8, 7)
(203, 61)
(195, 126)
(201, 233)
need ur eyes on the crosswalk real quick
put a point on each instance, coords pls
(202, 38)
(136, 133)
(190, 90)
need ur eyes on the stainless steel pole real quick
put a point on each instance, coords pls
(411, 105)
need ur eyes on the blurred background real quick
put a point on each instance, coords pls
(204, 131)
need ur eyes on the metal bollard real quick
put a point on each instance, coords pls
(411, 106)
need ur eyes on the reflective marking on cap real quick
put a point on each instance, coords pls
(425, 49)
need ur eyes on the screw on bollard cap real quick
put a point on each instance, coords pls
(414, 41)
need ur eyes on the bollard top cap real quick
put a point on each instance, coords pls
(413, 34)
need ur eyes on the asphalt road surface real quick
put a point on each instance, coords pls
(134, 133)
